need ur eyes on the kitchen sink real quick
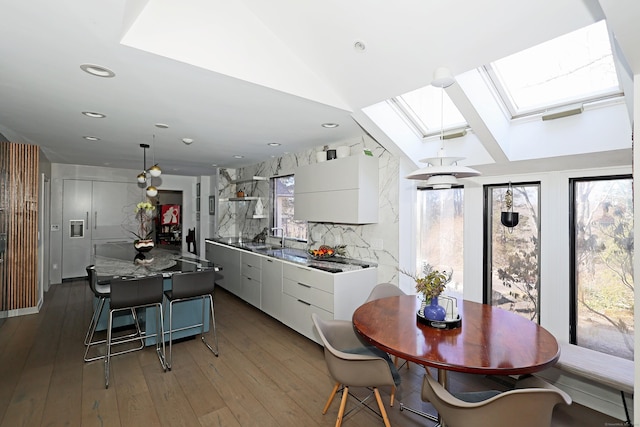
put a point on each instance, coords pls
(239, 242)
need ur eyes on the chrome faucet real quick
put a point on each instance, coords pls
(282, 234)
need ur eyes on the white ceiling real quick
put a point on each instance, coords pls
(237, 75)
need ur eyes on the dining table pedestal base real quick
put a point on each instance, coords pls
(442, 379)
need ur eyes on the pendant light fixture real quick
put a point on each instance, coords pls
(443, 171)
(147, 174)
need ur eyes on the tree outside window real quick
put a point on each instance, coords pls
(512, 276)
(441, 226)
(282, 218)
(602, 244)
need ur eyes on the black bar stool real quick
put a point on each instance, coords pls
(131, 294)
(102, 291)
(189, 286)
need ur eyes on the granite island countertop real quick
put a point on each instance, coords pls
(117, 260)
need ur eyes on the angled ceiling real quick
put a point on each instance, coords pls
(235, 76)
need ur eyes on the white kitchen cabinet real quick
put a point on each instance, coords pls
(229, 259)
(290, 292)
(271, 297)
(95, 212)
(342, 190)
(330, 295)
(251, 278)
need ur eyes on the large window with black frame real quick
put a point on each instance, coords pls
(602, 264)
(512, 270)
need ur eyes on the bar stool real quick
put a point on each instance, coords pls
(189, 286)
(131, 294)
(102, 291)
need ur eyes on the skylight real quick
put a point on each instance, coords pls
(421, 108)
(573, 68)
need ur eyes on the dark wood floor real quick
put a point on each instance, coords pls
(266, 375)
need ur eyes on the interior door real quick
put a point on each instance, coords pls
(76, 227)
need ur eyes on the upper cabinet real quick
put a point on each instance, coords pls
(343, 190)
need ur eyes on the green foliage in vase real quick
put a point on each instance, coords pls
(433, 283)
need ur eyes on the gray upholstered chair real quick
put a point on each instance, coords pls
(529, 405)
(186, 287)
(384, 290)
(132, 294)
(352, 364)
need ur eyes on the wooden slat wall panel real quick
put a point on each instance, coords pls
(18, 277)
(4, 222)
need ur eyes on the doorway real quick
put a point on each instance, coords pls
(168, 224)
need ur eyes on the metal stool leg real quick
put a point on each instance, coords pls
(213, 325)
(107, 358)
(94, 322)
(160, 338)
(170, 359)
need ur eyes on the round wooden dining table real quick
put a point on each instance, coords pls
(490, 340)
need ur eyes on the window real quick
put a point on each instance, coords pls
(282, 218)
(602, 265)
(440, 226)
(512, 275)
(573, 68)
(421, 109)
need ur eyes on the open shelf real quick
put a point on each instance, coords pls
(251, 179)
(240, 199)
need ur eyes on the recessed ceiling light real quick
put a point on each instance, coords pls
(187, 141)
(97, 70)
(359, 46)
(237, 156)
(91, 138)
(94, 115)
(330, 125)
(214, 164)
(273, 144)
(162, 126)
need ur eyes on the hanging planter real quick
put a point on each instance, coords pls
(509, 218)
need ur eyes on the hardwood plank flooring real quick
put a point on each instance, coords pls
(266, 375)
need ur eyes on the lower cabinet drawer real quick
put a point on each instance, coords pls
(306, 293)
(251, 291)
(297, 316)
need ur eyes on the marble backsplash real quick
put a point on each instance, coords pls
(376, 243)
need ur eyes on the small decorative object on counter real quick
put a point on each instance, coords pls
(145, 213)
(325, 251)
(262, 236)
(240, 193)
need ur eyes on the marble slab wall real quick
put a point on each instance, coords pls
(376, 243)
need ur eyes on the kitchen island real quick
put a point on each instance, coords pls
(113, 260)
(289, 285)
